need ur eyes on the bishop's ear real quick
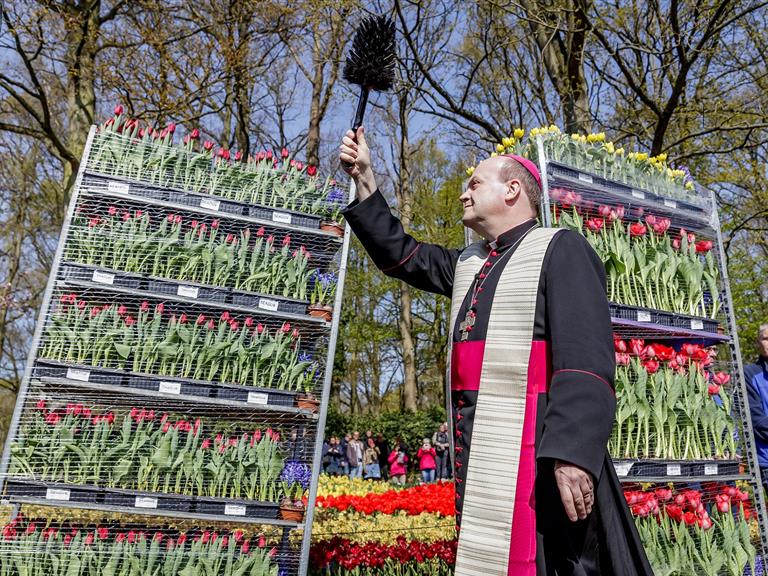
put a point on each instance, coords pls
(513, 189)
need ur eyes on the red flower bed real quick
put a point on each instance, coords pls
(436, 498)
(374, 555)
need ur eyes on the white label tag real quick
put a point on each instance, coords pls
(670, 203)
(585, 178)
(234, 510)
(638, 194)
(710, 469)
(103, 277)
(170, 387)
(119, 187)
(210, 203)
(622, 468)
(643, 316)
(188, 291)
(78, 374)
(258, 398)
(145, 502)
(697, 325)
(57, 494)
(281, 217)
(267, 304)
(674, 470)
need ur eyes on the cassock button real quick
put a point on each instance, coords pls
(481, 276)
(460, 403)
(459, 449)
(489, 264)
(494, 253)
(480, 289)
(459, 417)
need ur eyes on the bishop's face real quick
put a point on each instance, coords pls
(484, 197)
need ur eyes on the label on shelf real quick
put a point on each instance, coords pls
(145, 502)
(622, 468)
(78, 374)
(643, 316)
(697, 325)
(638, 194)
(119, 187)
(234, 510)
(670, 203)
(710, 469)
(267, 304)
(258, 398)
(103, 277)
(674, 470)
(281, 217)
(210, 203)
(188, 291)
(57, 494)
(170, 387)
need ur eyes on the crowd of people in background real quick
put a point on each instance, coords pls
(373, 457)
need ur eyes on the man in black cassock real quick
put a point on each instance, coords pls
(532, 375)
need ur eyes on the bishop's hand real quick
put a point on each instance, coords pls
(355, 159)
(576, 490)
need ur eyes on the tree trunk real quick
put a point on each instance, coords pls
(405, 203)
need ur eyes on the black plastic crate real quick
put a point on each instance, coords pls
(237, 508)
(76, 372)
(252, 301)
(175, 288)
(169, 385)
(54, 492)
(245, 393)
(147, 500)
(89, 274)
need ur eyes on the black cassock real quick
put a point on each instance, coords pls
(575, 416)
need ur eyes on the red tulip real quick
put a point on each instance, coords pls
(311, 170)
(704, 246)
(622, 359)
(595, 224)
(195, 134)
(713, 389)
(118, 110)
(246, 547)
(651, 366)
(284, 153)
(721, 378)
(636, 346)
(208, 145)
(238, 156)
(637, 229)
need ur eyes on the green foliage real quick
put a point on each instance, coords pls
(411, 426)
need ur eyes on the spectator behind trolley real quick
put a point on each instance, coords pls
(355, 449)
(426, 456)
(756, 376)
(398, 463)
(332, 458)
(371, 461)
(442, 445)
(383, 447)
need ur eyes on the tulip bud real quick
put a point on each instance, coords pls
(208, 145)
(284, 153)
(118, 110)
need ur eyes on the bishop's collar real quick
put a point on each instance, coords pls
(512, 235)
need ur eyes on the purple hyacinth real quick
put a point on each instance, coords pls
(296, 472)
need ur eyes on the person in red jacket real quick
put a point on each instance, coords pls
(426, 456)
(398, 461)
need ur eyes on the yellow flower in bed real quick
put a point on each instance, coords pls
(338, 485)
(384, 528)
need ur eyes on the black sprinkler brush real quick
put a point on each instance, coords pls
(371, 60)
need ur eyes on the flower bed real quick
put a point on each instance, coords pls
(142, 450)
(232, 348)
(670, 404)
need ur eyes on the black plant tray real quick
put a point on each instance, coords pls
(235, 508)
(249, 395)
(673, 470)
(147, 500)
(53, 491)
(556, 170)
(167, 287)
(654, 319)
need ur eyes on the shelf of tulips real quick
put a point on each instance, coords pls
(182, 348)
(681, 404)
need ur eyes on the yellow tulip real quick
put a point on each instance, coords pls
(620, 151)
(507, 143)
(499, 148)
(470, 170)
(609, 147)
(519, 133)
